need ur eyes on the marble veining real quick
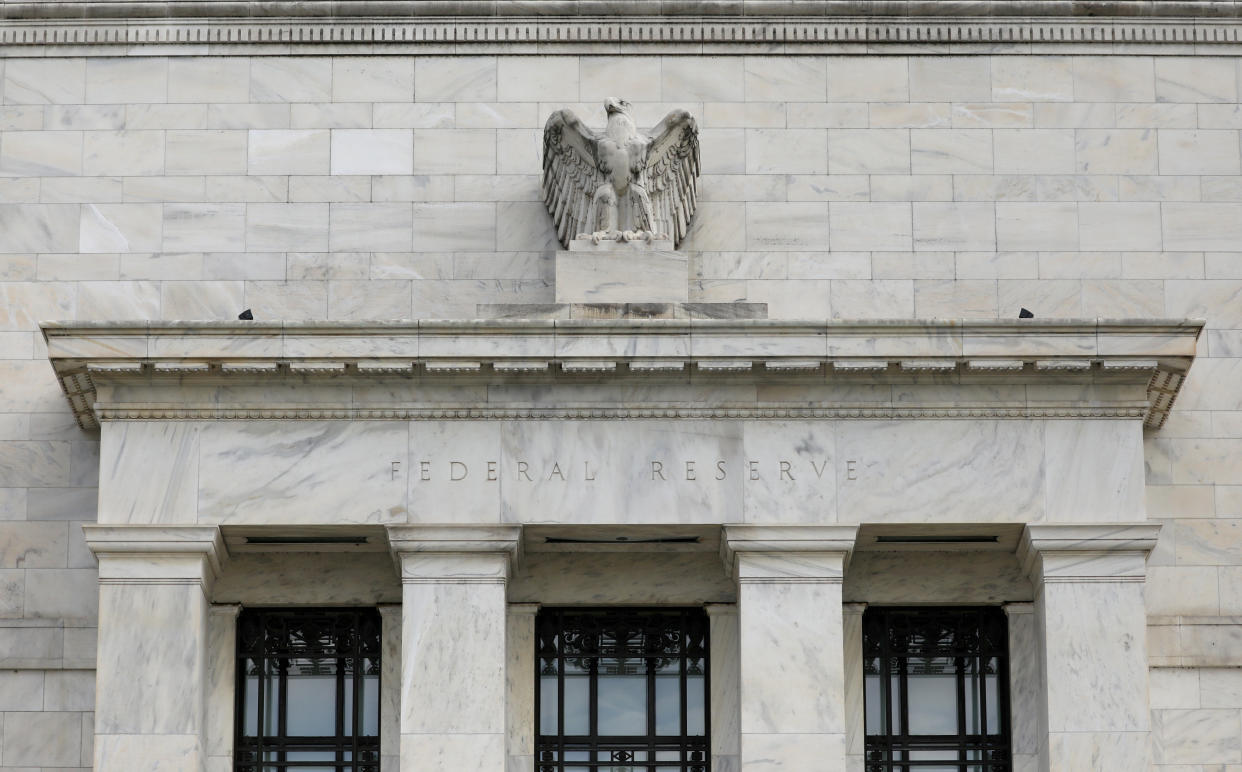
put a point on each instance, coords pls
(304, 472)
(941, 471)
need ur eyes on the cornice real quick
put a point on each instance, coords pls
(197, 27)
(1154, 353)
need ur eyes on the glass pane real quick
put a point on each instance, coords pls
(312, 697)
(896, 725)
(370, 705)
(347, 704)
(577, 705)
(271, 699)
(250, 702)
(932, 695)
(874, 701)
(991, 685)
(311, 756)
(668, 704)
(696, 710)
(547, 705)
(972, 691)
(622, 704)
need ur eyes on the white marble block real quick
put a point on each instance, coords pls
(791, 644)
(1094, 706)
(622, 273)
(154, 584)
(453, 645)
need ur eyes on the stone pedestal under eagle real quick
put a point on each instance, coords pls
(620, 184)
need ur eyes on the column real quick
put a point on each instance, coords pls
(790, 640)
(725, 699)
(390, 689)
(151, 675)
(520, 687)
(221, 685)
(453, 654)
(1025, 684)
(855, 709)
(1091, 624)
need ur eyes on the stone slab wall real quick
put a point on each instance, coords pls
(404, 187)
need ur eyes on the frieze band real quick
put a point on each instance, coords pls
(250, 35)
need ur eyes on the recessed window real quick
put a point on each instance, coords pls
(937, 689)
(622, 690)
(308, 690)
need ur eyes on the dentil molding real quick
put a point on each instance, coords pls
(198, 27)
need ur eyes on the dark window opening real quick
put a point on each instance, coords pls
(937, 689)
(622, 690)
(308, 690)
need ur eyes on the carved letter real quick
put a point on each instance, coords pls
(492, 474)
(396, 469)
(586, 471)
(556, 472)
(522, 467)
(657, 468)
(453, 469)
(690, 470)
(785, 467)
(720, 470)
(754, 469)
(819, 470)
(851, 471)
(424, 470)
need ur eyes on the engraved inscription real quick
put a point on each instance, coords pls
(656, 471)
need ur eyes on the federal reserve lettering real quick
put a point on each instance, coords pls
(655, 470)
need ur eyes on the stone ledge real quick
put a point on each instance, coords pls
(622, 311)
(1129, 354)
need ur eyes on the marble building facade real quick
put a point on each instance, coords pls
(831, 408)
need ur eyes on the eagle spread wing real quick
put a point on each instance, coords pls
(571, 173)
(671, 173)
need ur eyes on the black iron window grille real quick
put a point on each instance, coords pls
(308, 684)
(937, 689)
(622, 690)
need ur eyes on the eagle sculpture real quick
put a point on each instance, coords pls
(620, 184)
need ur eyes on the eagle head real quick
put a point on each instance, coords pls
(614, 105)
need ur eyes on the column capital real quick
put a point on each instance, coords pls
(1107, 552)
(228, 610)
(1018, 607)
(523, 609)
(157, 554)
(455, 553)
(787, 553)
(854, 608)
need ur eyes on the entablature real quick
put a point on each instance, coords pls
(621, 368)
